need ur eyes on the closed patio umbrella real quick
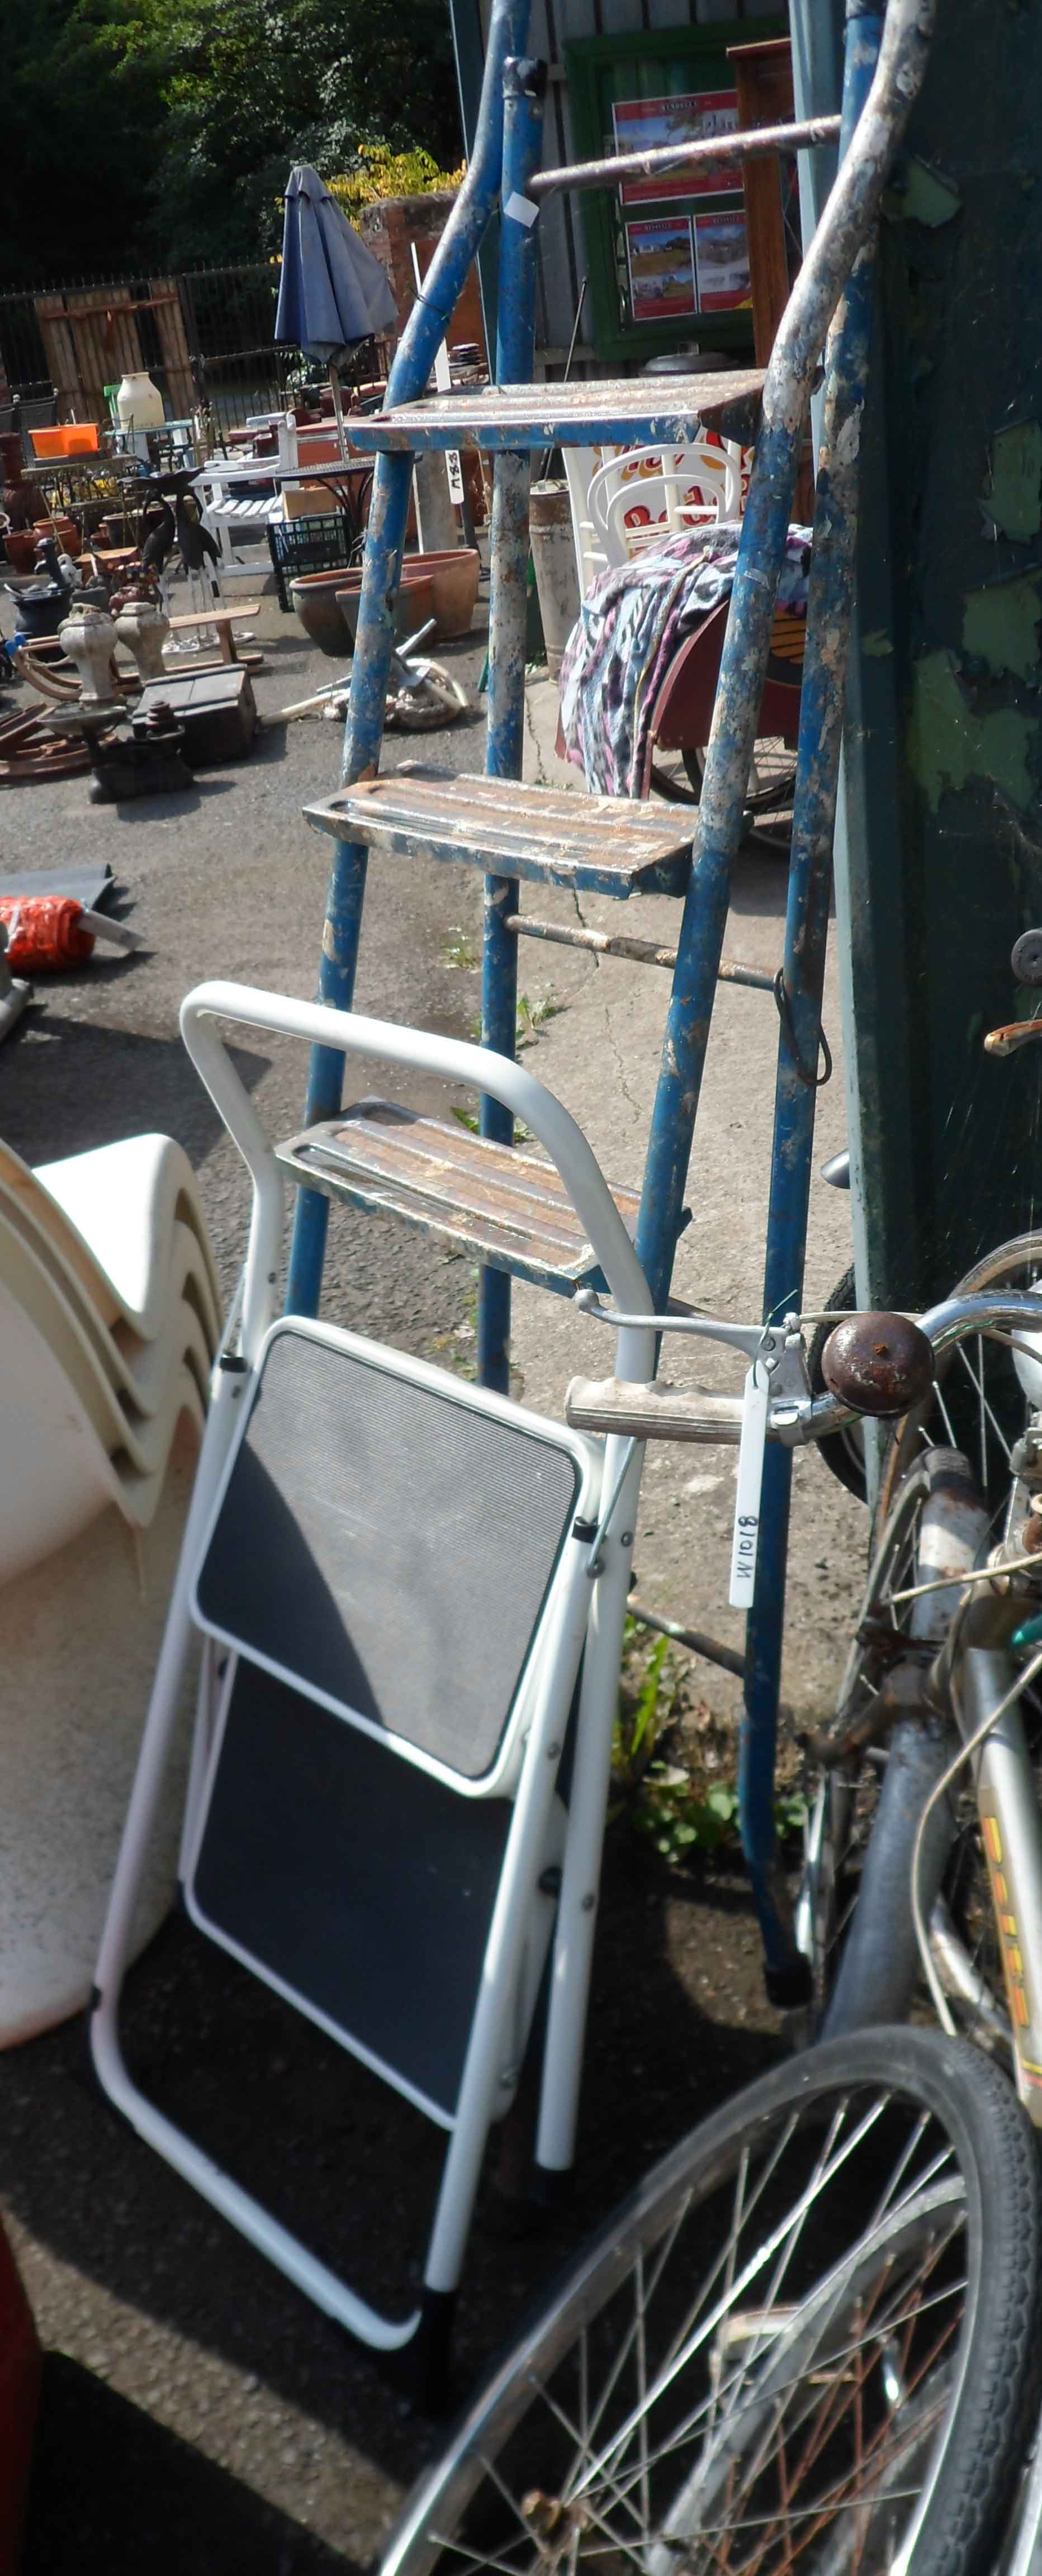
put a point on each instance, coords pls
(333, 293)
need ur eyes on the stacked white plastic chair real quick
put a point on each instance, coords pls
(109, 1321)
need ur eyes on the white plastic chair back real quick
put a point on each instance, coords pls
(643, 494)
(580, 465)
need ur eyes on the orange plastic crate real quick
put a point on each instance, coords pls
(74, 438)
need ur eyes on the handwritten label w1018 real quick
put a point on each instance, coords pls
(746, 1538)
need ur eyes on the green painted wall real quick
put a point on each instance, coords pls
(941, 863)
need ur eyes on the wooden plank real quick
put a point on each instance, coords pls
(510, 1207)
(60, 353)
(593, 413)
(173, 341)
(604, 844)
(763, 77)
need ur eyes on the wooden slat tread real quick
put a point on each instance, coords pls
(508, 1207)
(605, 411)
(601, 844)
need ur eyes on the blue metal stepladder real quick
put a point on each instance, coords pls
(375, 1798)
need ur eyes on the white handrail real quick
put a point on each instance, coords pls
(454, 1060)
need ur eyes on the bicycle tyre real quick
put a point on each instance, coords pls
(552, 2458)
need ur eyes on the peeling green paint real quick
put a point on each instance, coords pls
(1014, 501)
(927, 198)
(1000, 625)
(950, 742)
(878, 644)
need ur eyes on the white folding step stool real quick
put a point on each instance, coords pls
(399, 1578)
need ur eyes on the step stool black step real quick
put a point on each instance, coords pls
(385, 1543)
(361, 1888)
(596, 844)
(614, 411)
(506, 1207)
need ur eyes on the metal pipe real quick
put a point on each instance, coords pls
(615, 943)
(756, 143)
(822, 695)
(696, 1639)
(524, 91)
(374, 644)
(845, 225)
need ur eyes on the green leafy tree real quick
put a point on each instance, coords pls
(85, 116)
(256, 85)
(158, 133)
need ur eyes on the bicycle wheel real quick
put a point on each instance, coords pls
(978, 1402)
(809, 2333)
(873, 1769)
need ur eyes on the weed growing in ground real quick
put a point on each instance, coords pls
(461, 950)
(656, 1794)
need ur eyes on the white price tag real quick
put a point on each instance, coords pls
(750, 1478)
(455, 474)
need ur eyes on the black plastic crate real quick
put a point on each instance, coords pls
(310, 545)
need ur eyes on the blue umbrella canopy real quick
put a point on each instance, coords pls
(333, 293)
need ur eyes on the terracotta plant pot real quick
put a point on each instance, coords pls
(314, 596)
(64, 529)
(455, 574)
(20, 544)
(412, 608)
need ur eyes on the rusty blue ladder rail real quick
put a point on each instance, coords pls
(885, 58)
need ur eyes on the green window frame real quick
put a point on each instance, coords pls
(602, 69)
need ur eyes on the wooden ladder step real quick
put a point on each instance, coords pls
(597, 844)
(507, 1207)
(614, 411)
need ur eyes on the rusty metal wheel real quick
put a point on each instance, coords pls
(808, 2336)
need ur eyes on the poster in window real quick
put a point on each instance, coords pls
(646, 124)
(722, 262)
(662, 268)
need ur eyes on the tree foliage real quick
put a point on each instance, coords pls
(161, 132)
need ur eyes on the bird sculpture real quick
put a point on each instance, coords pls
(160, 539)
(198, 554)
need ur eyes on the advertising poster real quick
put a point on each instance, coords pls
(662, 268)
(646, 124)
(722, 257)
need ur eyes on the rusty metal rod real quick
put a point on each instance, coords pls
(695, 1639)
(616, 943)
(756, 143)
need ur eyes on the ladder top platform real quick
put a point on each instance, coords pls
(509, 1208)
(605, 411)
(598, 844)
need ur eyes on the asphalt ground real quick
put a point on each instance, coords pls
(198, 2413)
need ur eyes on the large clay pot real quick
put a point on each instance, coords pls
(455, 573)
(414, 603)
(20, 547)
(314, 597)
(63, 529)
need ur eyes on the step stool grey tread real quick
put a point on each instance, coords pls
(508, 1205)
(362, 1885)
(604, 843)
(594, 412)
(387, 1547)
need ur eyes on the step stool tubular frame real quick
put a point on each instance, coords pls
(524, 87)
(374, 642)
(564, 1141)
(829, 611)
